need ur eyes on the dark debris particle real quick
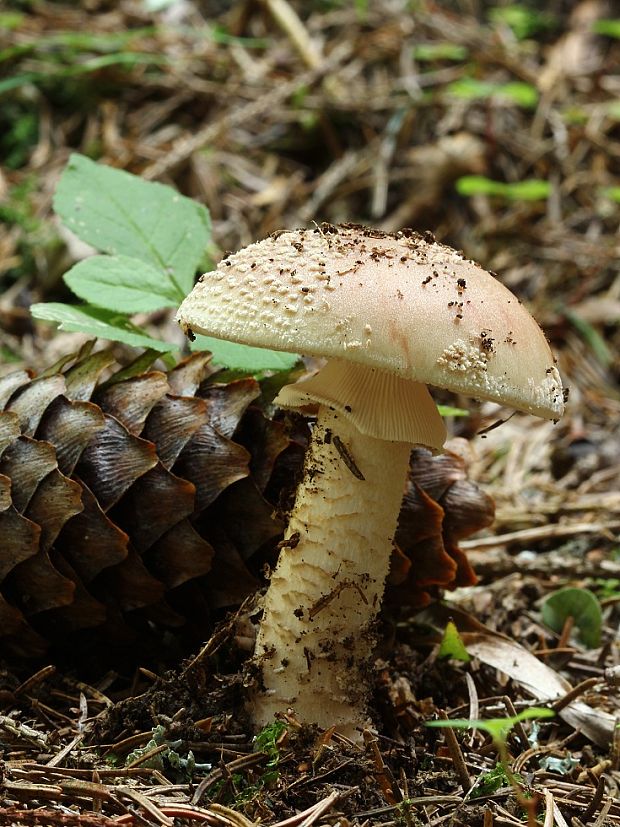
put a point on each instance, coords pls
(565, 394)
(252, 265)
(190, 334)
(461, 283)
(426, 280)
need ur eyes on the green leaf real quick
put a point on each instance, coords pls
(523, 21)
(122, 284)
(523, 94)
(243, 357)
(609, 28)
(448, 410)
(532, 189)
(11, 20)
(120, 214)
(88, 66)
(498, 728)
(613, 193)
(478, 185)
(580, 604)
(452, 645)
(612, 110)
(95, 321)
(428, 52)
(490, 782)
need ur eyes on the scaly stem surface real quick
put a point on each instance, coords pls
(317, 632)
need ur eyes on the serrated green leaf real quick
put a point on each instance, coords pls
(452, 645)
(580, 604)
(120, 214)
(122, 284)
(96, 321)
(243, 357)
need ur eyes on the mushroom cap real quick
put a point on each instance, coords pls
(398, 302)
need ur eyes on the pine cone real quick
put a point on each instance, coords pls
(116, 510)
(440, 507)
(129, 516)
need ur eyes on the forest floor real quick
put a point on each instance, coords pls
(497, 127)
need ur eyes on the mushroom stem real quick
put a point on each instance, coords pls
(317, 632)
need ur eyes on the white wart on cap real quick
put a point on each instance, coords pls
(398, 302)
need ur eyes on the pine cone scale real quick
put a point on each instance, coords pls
(27, 462)
(69, 427)
(113, 460)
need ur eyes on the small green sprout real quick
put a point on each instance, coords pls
(452, 645)
(268, 741)
(499, 729)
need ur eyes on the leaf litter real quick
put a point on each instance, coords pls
(275, 122)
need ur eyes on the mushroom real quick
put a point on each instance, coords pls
(391, 313)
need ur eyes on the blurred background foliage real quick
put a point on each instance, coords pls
(494, 124)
